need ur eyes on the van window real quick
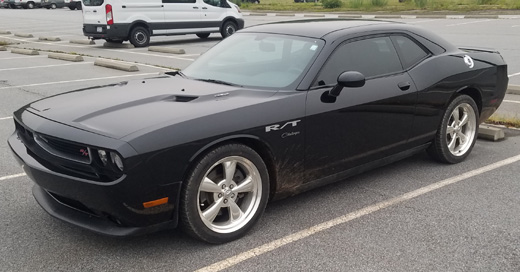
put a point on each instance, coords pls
(94, 3)
(217, 3)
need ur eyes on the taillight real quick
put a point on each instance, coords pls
(110, 17)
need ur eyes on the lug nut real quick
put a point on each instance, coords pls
(220, 195)
(225, 201)
(232, 195)
(223, 186)
(231, 186)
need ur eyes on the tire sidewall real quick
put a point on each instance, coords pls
(227, 25)
(448, 156)
(191, 220)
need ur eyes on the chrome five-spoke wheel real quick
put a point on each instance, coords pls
(225, 194)
(461, 129)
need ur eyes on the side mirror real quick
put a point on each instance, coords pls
(349, 79)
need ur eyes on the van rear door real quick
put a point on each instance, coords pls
(94, 12)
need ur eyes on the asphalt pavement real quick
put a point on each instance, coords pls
(414, 215)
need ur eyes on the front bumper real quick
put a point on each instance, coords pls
(113, 208)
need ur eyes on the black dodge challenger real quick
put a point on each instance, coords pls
(269, 112)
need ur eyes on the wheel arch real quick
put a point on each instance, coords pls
(474, 93)
(253, 142)
(227, 19)
(136, 24)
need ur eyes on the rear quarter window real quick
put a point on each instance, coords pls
(93, 3)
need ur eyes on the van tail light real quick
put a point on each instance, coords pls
(110, 17)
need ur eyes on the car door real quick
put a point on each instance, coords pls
(362, 124)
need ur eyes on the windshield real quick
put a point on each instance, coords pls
(257, 60)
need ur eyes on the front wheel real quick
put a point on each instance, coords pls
(139, 37)
(53, 6)
(72, 7)
(228, 28)
(225, 194)
(457, 133)
(30, 5)
(203, 35)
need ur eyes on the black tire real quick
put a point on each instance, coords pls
(218, 213)
(72, 7)
(53, 6)
(203, 35)
(29, 5)
(78, 6)
(228, 28)
(139, 37)
(456, 136)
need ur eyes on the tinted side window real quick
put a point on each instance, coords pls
(94, 3)
(180, 1)
(410, 52)
(371, 57)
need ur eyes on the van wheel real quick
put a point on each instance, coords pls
(72, 8)
(228, 28)
(53, 6)
(30, 5)
(203, 35)
(139, 37)
(78, 6)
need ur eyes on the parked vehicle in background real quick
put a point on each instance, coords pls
(138, 20)
(53, 4)
(73, 4)
(4, 4)
(26, 4)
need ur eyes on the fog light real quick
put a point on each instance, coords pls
(117, 160)
(103, 157)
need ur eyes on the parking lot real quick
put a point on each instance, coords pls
(414, 215)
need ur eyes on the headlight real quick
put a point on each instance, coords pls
(103, 157)
(117, 160)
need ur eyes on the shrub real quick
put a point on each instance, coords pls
(421, 3)
(331, 4)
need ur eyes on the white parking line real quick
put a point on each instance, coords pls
(511, 101)
(153, 55)
(41, 56)
(45, 66)
(517, 74)
(473, 22)
(77, 80)
(12, 176)
(6, 118)
(268, 247)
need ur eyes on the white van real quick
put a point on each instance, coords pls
(137, 20)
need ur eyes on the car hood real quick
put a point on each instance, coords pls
(119, 110)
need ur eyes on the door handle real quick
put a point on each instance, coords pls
(204, 8)
(404, 86)
(195, 7)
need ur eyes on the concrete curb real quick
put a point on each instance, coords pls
(24, 51)
(67, 57)
(388, 16)
(166, 50)
(51, 39)
(118, 45)
(285, 14)
(314, 15)
(349, 16)
(2, 48)
(513, 89)
(116, 65)
(89, 42)
(5, 32)
(23, 35)
(490, 133)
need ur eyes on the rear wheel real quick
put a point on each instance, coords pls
(203, 35)
(228, 28)
(78, 5)
(457, 133)
(30, 5)
(53, 6)
(225, 194)
(72, 7)
(139, 37)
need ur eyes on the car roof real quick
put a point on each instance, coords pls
(316, 28)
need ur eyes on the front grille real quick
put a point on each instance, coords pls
(64, 149)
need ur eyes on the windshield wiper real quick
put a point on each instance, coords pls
(220, 82)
